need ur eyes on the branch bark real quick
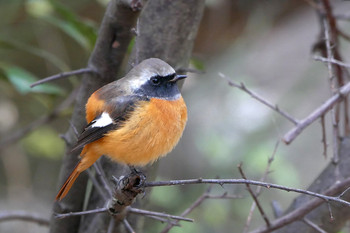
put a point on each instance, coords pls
(114, 38)
(321, 215)
(167, 30)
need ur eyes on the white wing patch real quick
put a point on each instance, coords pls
(103, 120)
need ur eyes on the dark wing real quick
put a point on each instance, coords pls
(118, 109)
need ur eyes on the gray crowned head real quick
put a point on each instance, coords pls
(154, 78)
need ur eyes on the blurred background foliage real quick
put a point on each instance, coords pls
(265, 44)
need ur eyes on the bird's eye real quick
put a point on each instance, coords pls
(155, 81)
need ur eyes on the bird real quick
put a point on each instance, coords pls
(133, 121)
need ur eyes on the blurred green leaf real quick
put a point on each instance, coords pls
(44, 142)
(199, 65)
(81, 30)
(12, 44)
(21, 80)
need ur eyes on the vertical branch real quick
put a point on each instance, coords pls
(259, 188)
(166, 29)
(333, 87)
(255, 198)
(112, 43)
(324, 136)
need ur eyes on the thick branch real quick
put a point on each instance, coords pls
(112, 43)
(166, 29)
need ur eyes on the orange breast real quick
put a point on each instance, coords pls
(152, 130)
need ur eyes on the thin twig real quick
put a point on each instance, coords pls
(332, 80)
(152, 213)
(344, 192)
(111, 225)
(128, 226)
(165, 220)
(251, 182)
(17, 135)
(313, 225)
(331, 60)
(261, 210)
(330, 211)
(14, 215)
(324, 108)
(206, 195)
(102, 176)
(303, 209)
(97, 185)
(63, 75)
(259, 188)
(129, 209)
(242, 87)
(324, 136)
(71, 214)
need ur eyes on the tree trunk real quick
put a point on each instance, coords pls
(166, 30)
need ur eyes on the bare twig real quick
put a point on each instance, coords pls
(102, 176)
(206, 195)
(111, 225)
(63, 75)
(330, 211)
(258, 189)
(304, 209)
(324, 108)
(14, 215)
(242, 87)
(128, 226)
(252, 182)
(17, 135)
(129, 209)
(94, 211)
(152, 213)
(261, 210)
(97, 185)
(324, 136)
(333, 87)
(331, 60)
(313, 225)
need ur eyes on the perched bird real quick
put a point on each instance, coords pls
(134, 120)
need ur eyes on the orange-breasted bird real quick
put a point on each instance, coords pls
(134, 120)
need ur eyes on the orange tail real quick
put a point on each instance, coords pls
(69, 182)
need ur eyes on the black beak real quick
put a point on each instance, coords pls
(178, 77)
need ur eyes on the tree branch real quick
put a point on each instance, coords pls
(17, 135)
(253, 182)
(324, 108)
(242, 87)
(321, 215)
(62, 75)
(304, 209)
(255, 198)
(21, 215)
(112, 43)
